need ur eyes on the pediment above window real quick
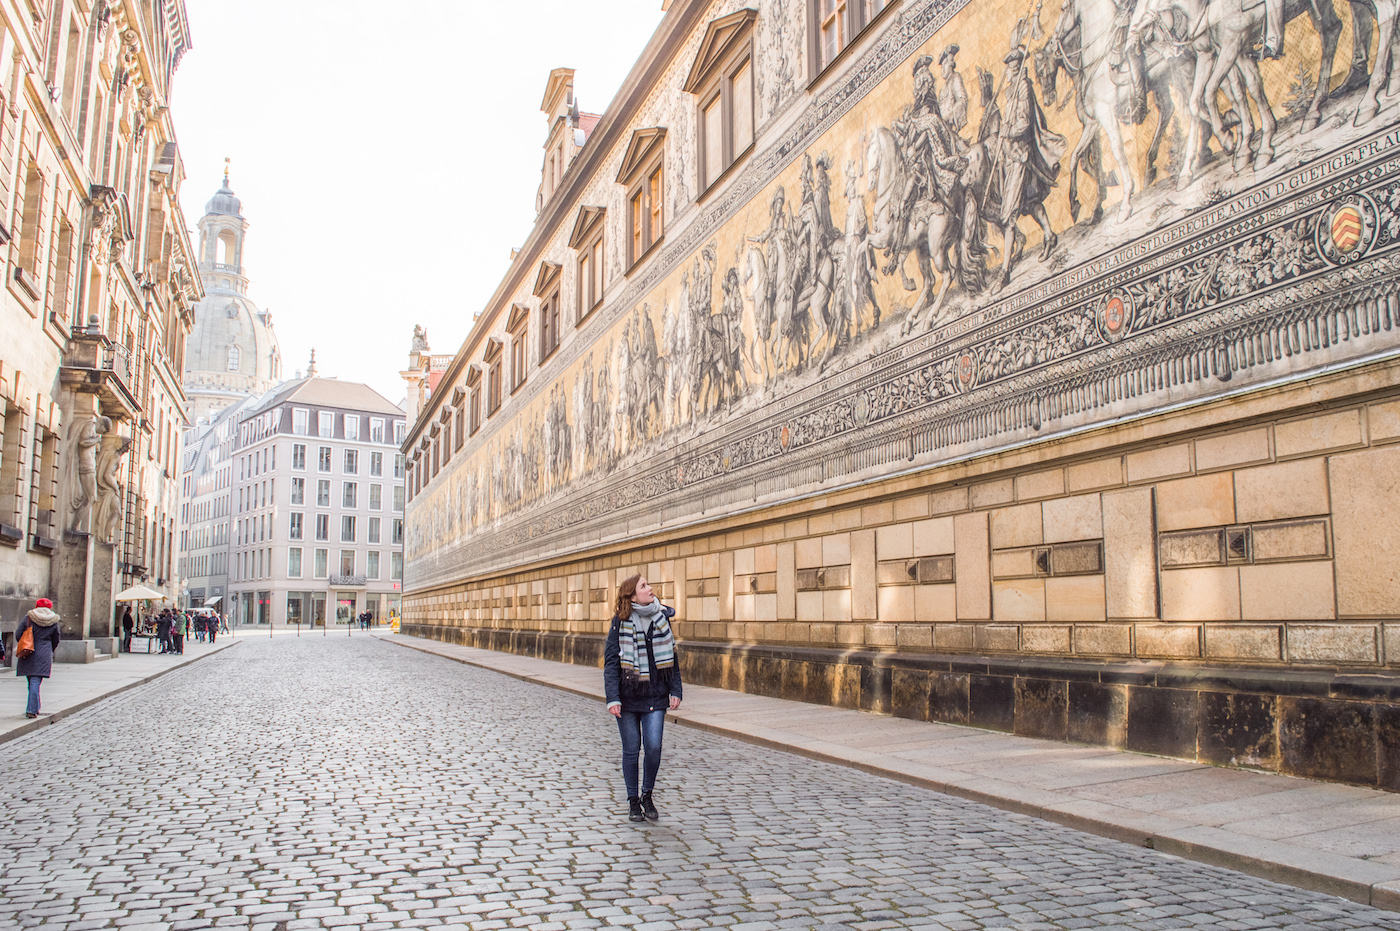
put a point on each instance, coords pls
(722, 36)
(494, 347)
(473, 376)
(549, 274)
(519, 313)
(643, 145)
(587, 222)
(459, 393)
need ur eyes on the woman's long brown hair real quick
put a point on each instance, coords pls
(625, 591)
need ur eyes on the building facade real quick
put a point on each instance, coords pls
(915, 389)
(206, 507)
(98, 300)
(232, 351)
(317, 506)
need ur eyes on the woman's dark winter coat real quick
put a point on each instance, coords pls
(40, 662)
(636, 696)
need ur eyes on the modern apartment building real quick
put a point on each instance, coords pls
(317, 506)
(206, 509)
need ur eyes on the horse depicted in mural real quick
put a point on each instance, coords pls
(931, 226)
(759, 290)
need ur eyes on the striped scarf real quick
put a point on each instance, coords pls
(632, 641)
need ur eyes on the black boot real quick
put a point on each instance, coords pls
(634, 809)
(648, 808)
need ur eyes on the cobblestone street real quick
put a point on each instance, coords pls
(344, 782)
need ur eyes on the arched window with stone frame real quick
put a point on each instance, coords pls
(233, 358)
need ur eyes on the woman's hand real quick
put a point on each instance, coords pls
(675, 703)
(615, 710)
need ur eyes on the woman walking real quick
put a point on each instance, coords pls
(39, 664)
(641, 679)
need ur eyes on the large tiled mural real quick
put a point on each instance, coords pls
(1003, 222)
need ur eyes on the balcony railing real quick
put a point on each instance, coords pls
(351, 580)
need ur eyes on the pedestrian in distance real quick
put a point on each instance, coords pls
(163, 631)
(38, 665)
(641, 679)
(177, 633)
(128, 626)
(213, 627)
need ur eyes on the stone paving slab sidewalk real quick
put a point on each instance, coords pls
(1342, 840)
(75, 686)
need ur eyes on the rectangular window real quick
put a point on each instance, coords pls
(372, 564)
(352, 462)
(323, 493)
(838, 22)
(475, 405)
(299, 456)
(323, 526)
(294, 527)
(396, 566)
(397, 538)
(300, 421)
(375, 492)
(725, 98)
(376, 429)
(398, 497)
(459, 435)
(400, 431)
(349, 495)
(323, 460)
(325, 422)
(493, 388)
(398, 465)
(294, 562)
(376, 463)
(712, 134)
(352, 427)
(519, 359)
(347, 562)
(319, 566)
(549, 324)
(298, 491)
(374, 530)
(347, 529)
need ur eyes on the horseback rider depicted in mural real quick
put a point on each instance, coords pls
(1028, 161)
(930, 149)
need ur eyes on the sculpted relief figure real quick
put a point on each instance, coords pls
(106, 514)
(87, 435)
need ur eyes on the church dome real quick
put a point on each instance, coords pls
(224, 203)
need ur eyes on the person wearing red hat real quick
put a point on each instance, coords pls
(39, 664)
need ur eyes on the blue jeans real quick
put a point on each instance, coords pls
(33, 706)
(641, 730)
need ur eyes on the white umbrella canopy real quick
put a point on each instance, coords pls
(141, 593)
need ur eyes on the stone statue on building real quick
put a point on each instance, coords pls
(87, 436)
(420, 338)
(106, 514)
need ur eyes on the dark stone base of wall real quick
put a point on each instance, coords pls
(1318, 723)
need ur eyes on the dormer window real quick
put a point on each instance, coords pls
(587, 239)
(643, 173)
(722, 81)
(547, 290)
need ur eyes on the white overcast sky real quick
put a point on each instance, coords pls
(387, 155)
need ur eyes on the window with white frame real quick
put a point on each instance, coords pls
(298, 456)
(352, 427)
(294, 525)
(301, 421)
(376, 429)
(294, 562)
(325, 424)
